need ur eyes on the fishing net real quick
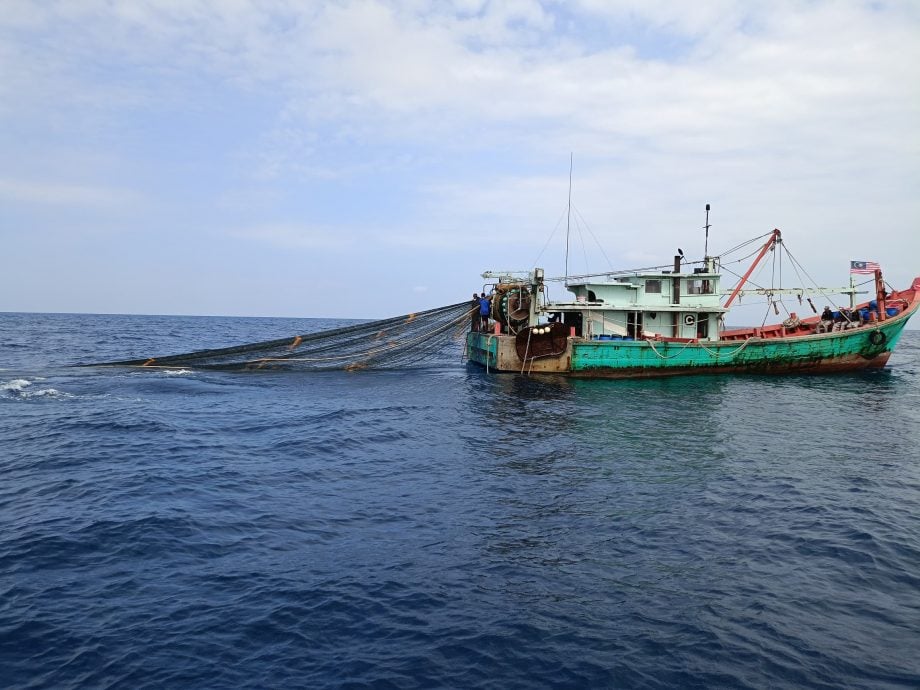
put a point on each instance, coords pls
(400, 341)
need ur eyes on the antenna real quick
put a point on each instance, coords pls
(706, 249)
(568, 220)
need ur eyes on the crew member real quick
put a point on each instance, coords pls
(485, 309)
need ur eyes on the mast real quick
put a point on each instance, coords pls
(568, 220)
(880, 295)
(774, 238)
(706, 246)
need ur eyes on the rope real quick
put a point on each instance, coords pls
(730, 354)
(661, 356)
(712, 352)
(527, 351)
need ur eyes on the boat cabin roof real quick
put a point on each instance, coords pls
(648, 291)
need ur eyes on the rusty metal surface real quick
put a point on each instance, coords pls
(547, 340)
(828, 366)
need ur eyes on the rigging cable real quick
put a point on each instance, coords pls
(578, 214)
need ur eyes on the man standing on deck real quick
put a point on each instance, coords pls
(484, 310)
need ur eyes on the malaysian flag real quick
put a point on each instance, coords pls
(863, 267)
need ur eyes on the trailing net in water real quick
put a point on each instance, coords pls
(400, 341)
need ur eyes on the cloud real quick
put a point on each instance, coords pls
(387, 71)
(791, 83)
(62, 194)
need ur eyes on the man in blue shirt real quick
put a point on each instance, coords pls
(484, 311)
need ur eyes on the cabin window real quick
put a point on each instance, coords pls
(653, 287)
(699, 286)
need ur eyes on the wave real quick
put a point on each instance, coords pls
(17, 388)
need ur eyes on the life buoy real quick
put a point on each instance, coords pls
(877, 338)
(689, 320)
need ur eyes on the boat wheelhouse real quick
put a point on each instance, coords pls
(658, 304)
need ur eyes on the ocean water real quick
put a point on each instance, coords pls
(441, 527)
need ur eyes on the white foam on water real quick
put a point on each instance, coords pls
(15, 386)
(177, 372)
(20, 388)
(46, 392)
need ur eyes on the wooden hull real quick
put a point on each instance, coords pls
(866, 347)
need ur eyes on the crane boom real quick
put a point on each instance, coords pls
(770, 243)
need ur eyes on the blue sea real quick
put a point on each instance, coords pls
(442, 527)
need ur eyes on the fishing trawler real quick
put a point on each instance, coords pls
(656, 322)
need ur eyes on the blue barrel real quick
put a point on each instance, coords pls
(891, 311)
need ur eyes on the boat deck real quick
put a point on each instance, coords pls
(897, 303)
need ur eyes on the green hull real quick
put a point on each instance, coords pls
(862, 348)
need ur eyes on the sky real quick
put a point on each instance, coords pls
(368, 158)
